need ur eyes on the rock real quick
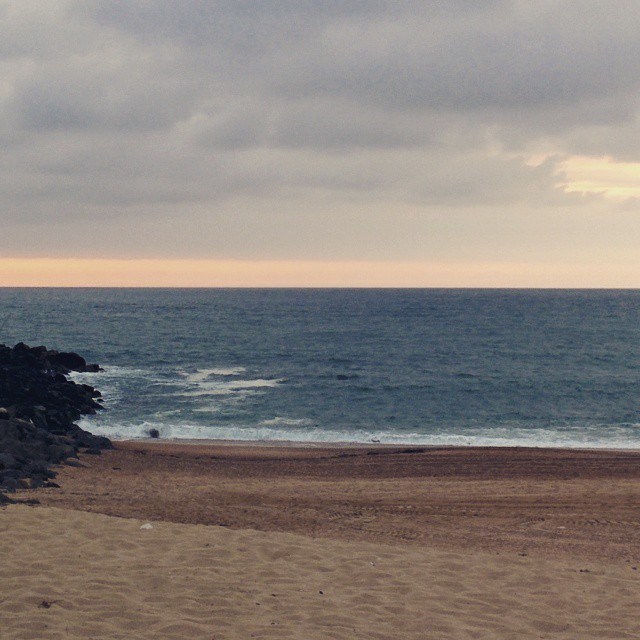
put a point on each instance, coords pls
(154, 433)
(38, 410)
(70, 361)
(7, 461)
(94, 451)
(9, 483)
(4, 499)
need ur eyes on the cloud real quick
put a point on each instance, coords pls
(501, 60)
(238, 118)
(460, 56)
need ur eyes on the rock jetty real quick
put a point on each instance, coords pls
(39, 406)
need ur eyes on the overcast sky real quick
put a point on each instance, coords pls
(446, 132)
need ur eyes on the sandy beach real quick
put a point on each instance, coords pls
(348, 542)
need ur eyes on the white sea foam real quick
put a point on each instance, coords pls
(203, 374)
(252, 384)
(628, 438)
(281, 421)
(225, 387)
(112, 382)
(109, 371)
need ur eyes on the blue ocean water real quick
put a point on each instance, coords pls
(523, 367)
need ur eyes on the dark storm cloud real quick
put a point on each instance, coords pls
(114, 110)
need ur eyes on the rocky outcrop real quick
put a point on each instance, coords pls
(39, 406)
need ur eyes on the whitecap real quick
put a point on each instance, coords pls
(202, 374)
(287, 422)
(220, 387)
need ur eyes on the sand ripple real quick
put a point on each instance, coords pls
(70, 574)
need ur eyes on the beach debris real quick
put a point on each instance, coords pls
(46, 604)
(147, 526)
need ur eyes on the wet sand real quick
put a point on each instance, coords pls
(521, 500)
(403, 542)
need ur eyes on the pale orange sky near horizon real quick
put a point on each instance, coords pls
(36, 272)
(609, 179)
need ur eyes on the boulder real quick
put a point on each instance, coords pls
(38, 410)
(71, 361)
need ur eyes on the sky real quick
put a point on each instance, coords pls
(320, 143)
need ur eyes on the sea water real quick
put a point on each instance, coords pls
(423, 366)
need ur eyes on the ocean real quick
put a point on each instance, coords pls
(557, 368)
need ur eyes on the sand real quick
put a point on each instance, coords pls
(326, 543)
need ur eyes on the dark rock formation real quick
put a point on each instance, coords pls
(38, 409)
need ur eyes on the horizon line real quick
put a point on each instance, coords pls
(181, 273)
(332, 287)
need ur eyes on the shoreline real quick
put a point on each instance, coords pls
(312, 444)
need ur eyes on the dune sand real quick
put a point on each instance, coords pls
(71, 574)
(406, 544)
